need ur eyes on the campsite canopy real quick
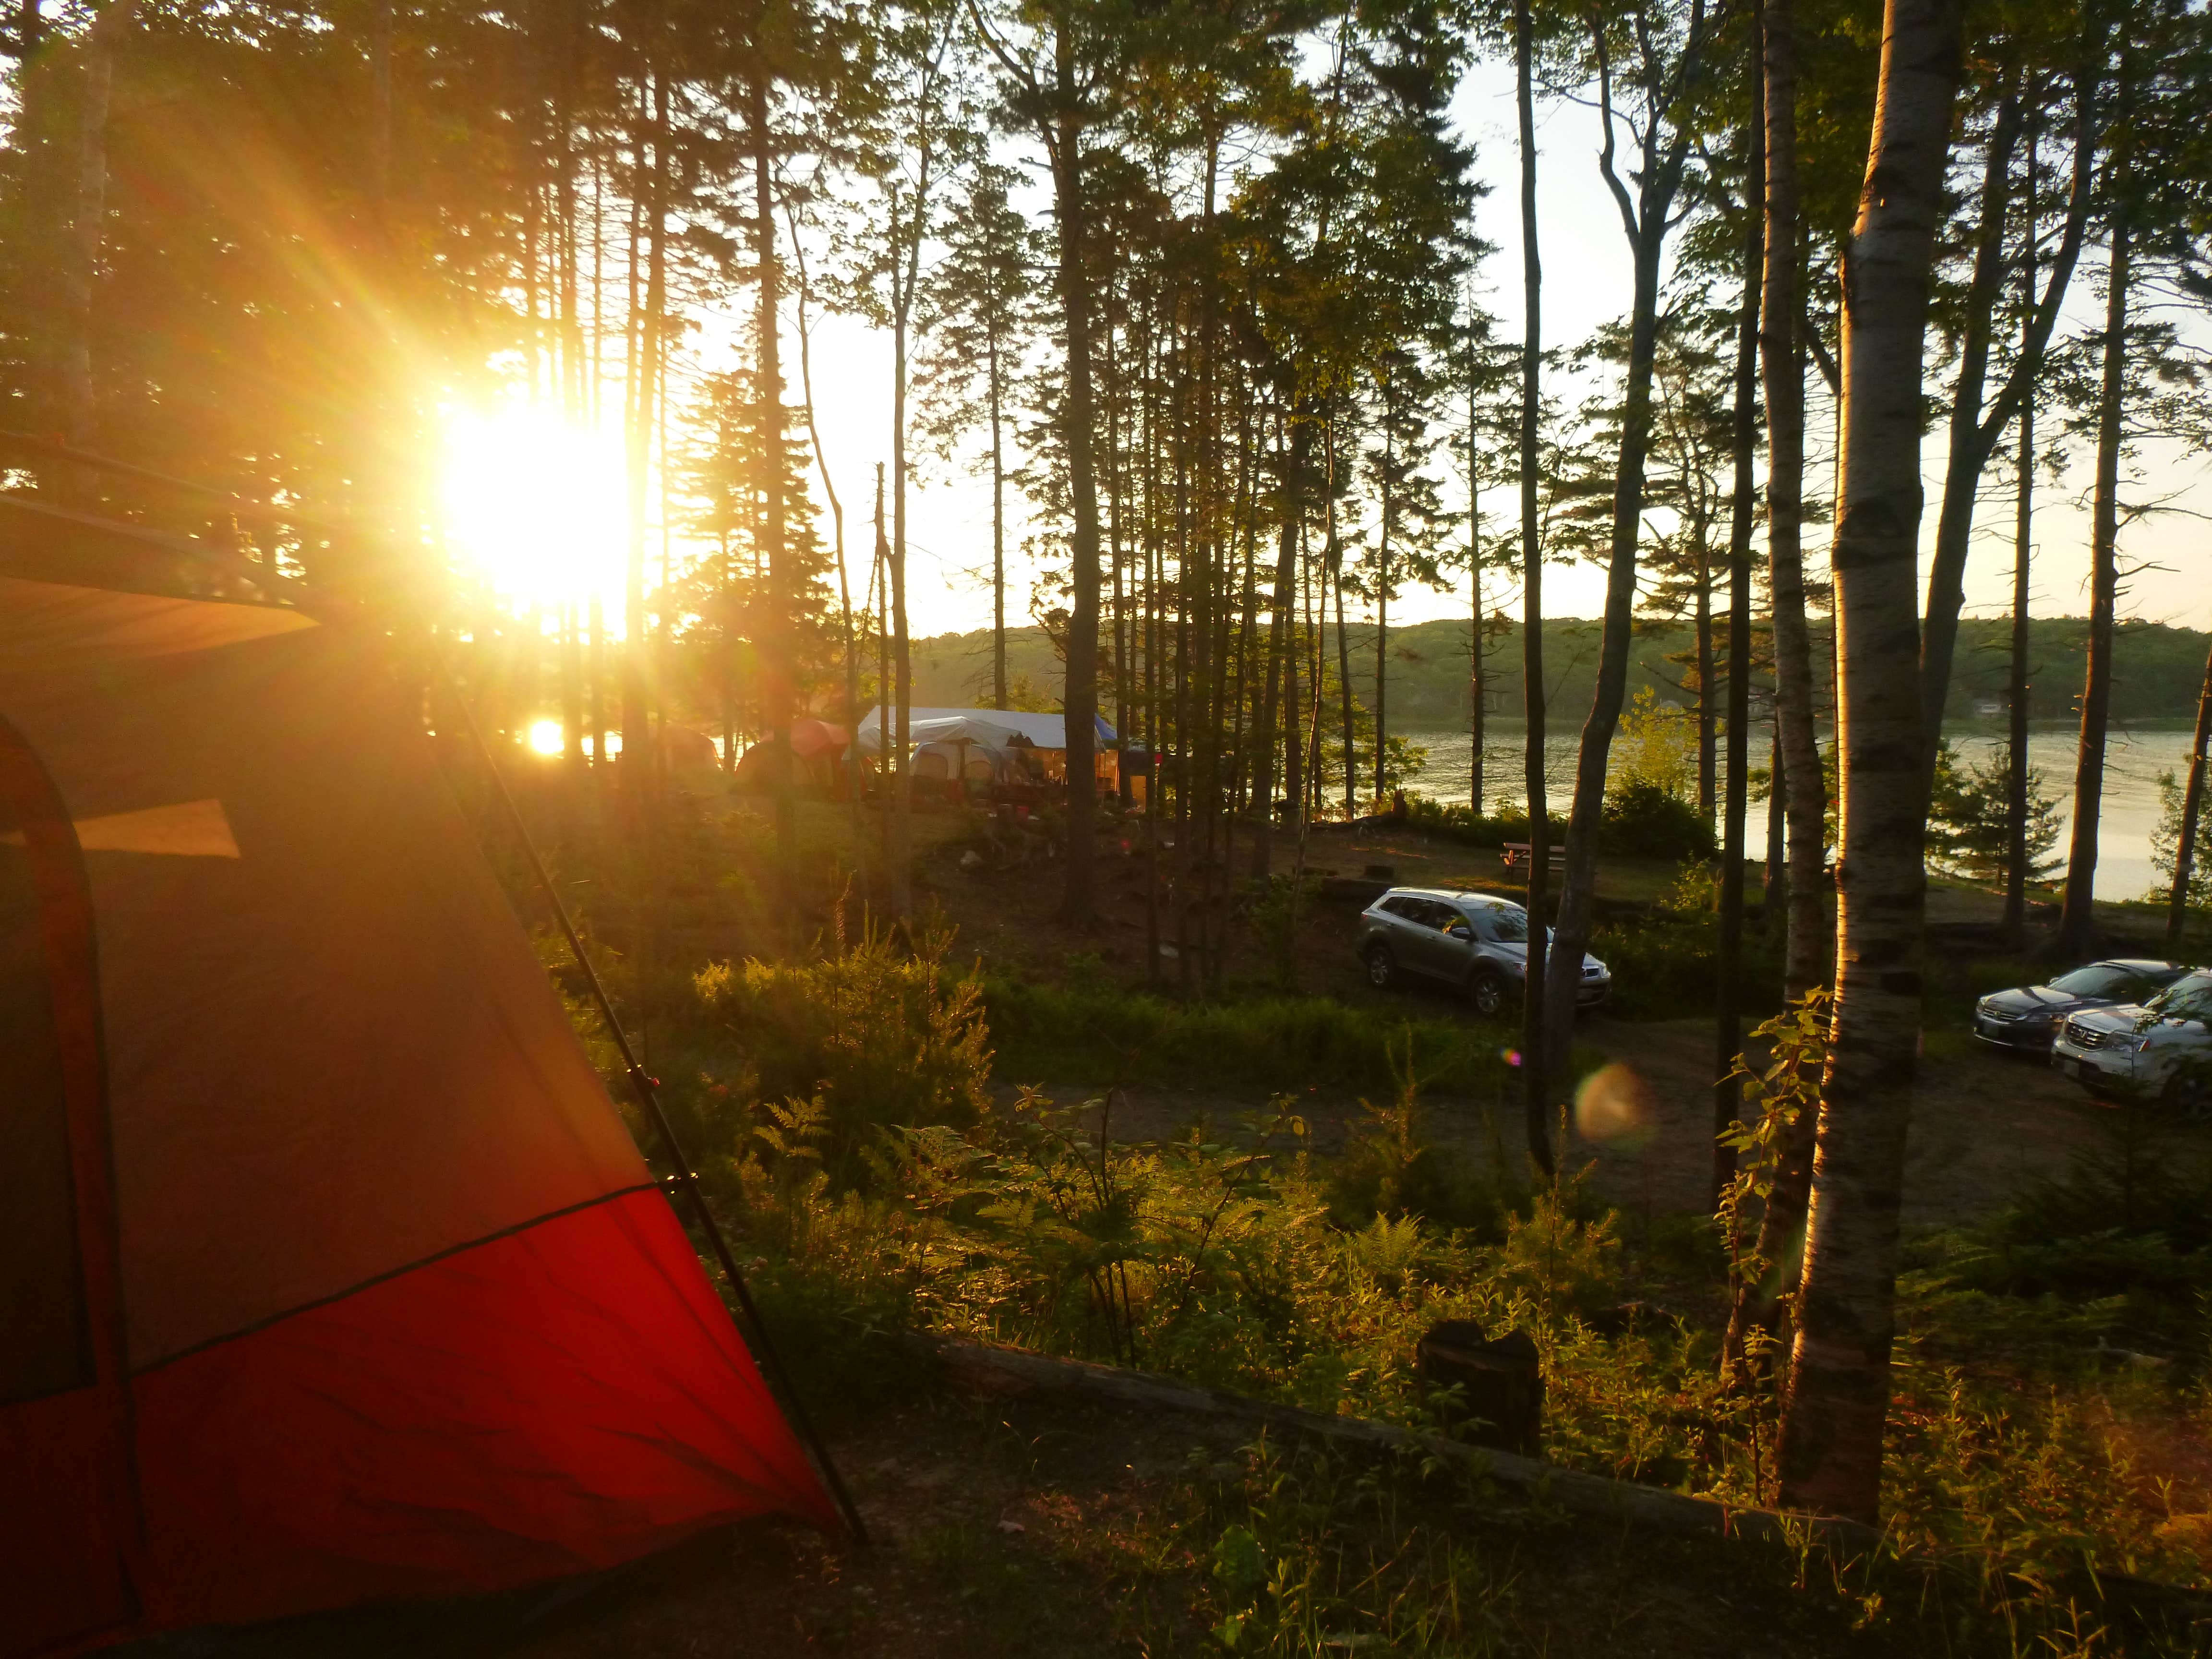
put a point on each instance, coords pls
(327, 1269)
(972, 762)
(979, 724)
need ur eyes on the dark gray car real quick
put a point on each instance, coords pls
(2027, 1017)
(1469, 940)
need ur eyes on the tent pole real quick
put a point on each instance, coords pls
(647, 1092)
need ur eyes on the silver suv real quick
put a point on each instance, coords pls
(2158, 1049)
(1469, 940)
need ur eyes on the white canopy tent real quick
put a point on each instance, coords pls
(999, 726)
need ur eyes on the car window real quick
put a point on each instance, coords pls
(1507, 923)
(2098, 979)
(2188, 998)
(1399, 907)
(1435, 915)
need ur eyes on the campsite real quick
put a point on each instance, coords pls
(1064, 827)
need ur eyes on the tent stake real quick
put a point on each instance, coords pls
(649, 1096)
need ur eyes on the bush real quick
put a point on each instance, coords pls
(1642, 820)
(1457, 820)
(880, 1036)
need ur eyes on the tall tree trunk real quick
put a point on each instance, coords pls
(1077, 906)
(1743, 506)
(1797, 769)
(1282, 655)
(898, 747)
(595, 681)
(1535, 1097)
(1335, 557)
(1344, 687)
(1296, 771)
(1969, 449)
(572, 696)
(80, 405)
(379, 107)
(1646, 222)
(644, 356)
(1708, 714)
(1831, 1432)
(778, 639)
(1475, 687)
(852, 709)
(2078, 925)
(1975, 436)
(2192, 809)
(887, 690)
(2017, 677)
(998, 533)
(1774, 885)
(1382, 640)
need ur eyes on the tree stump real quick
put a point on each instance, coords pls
(1501, 1387)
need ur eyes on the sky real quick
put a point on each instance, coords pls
(1586, 271)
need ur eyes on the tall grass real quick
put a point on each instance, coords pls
(1109, 1037)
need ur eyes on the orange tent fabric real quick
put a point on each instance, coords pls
(327, 1269)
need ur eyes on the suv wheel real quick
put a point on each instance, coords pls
(1382, 967)
(1486, 990)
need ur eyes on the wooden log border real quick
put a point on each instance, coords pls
(1013, 1370)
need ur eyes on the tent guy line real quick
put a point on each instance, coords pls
(648, 1090)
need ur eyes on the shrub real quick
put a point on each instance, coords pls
(1457, 820)
(882, 1036)
(1969, 820)
(1655, 748)
(1642, 820)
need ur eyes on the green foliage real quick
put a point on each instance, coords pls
(1771, 1103)
(2166, 848)
(2122, 1240)
(874, 1035)
(1642, 820)
(1272, 915)
(1457, 820)
(1313, 1553)
(1969, 820)
(1391, 1170)
(1103, 1035)
(1654, 749)
(1666, 965)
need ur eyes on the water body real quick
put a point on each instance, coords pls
(2133, 760)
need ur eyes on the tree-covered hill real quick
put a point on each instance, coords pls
(2158, 668)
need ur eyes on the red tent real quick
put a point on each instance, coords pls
(327, 1270)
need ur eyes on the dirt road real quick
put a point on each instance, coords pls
(1982, 1124)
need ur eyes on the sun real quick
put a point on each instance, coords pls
(536, 504)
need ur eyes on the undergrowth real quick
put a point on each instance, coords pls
(2047, 1423)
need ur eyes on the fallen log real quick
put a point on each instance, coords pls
(1592, 1494)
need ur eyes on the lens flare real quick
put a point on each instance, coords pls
(545, 738)
(1615, 1105)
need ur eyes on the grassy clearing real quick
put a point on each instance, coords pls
(1091, 1031)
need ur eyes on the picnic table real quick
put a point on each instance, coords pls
(1515, 853)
